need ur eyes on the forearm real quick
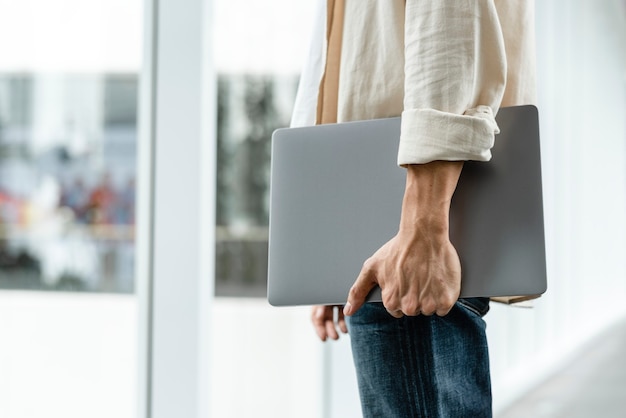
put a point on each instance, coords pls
(427, 196)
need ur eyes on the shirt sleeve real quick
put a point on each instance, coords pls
(455, 75)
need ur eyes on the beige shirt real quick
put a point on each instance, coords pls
(445, 66)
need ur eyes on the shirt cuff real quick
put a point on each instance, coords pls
(431, 135)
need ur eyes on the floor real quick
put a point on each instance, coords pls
(593, 385)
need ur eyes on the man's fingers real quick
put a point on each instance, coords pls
(319, 323)
(410, 305)
(331, 331)
(325, 324)
(428, 306)
(360, 289)
(341, 321)
(396, 314)
(444, 309)
(320, 330)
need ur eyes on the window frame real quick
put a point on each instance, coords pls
(176, 191)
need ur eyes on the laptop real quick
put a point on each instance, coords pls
(335, 198)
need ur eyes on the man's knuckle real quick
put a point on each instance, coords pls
(355, 292)
(391, 303)
(428, 306)
(368, 265)
(451, 298)
(410, 305)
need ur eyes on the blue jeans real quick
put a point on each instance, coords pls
(422, 366)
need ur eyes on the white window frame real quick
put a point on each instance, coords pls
(175, 231)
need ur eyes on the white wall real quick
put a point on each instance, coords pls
(66, 355)
(582, 102)
(266, 362)
(70, 36)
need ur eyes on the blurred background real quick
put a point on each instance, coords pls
(74, 78)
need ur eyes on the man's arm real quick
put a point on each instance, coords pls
(418, 270)
(455, 73)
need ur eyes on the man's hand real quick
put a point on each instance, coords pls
(418, 270)
(323, 318)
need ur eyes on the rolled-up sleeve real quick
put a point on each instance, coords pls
(455, 76)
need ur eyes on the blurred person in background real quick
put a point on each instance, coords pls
(101, 202)
(125, 204)
(76, 198)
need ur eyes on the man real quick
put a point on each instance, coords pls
(446, 67)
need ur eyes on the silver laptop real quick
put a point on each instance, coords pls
(336, 194)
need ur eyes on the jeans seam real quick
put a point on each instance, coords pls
(407, 350)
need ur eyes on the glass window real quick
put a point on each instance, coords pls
(249, 109)
(258, 73)
(69, 72)
(68, 134)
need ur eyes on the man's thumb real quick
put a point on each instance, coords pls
(359, 291)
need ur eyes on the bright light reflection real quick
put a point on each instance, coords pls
(70, 35)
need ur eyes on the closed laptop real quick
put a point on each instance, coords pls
(336, 194)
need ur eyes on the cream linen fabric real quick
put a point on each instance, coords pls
(445, 66)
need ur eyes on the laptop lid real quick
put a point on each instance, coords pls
(336, 194)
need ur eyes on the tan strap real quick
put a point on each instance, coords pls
(510, 300)
(329, 86)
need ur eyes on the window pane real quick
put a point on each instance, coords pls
(69, 72)
(258, 77)
(68, 118)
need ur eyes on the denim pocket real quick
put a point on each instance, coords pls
(479, 306)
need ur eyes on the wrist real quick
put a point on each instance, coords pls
(427, 197)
